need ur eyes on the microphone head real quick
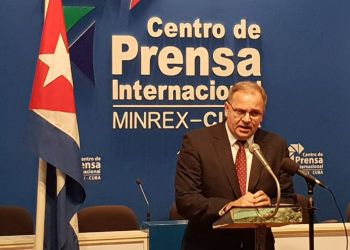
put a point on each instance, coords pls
(253, 147)
(289, 166)
(138, 182)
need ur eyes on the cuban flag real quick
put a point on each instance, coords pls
(55, 138)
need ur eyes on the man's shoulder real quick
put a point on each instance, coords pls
(264, 135)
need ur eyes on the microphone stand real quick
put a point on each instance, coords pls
(148, 214)
(311, 212)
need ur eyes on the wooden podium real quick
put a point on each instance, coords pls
(251, 217)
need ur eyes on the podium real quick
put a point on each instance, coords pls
(250, 217)
(165, 234)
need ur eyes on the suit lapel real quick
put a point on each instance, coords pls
(255, 173)
(257, 167)
(224, 154)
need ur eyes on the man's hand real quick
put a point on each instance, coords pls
(258, 199)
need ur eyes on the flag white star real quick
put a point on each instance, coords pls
(59, 63)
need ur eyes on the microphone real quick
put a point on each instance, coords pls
(291, 167)
(255, 150)
(148, 215)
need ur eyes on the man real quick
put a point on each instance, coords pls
(208, 182)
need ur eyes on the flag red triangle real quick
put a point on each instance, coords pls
(58, 94)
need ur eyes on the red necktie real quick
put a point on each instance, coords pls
(241, 167)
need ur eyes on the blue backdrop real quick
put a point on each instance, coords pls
(303, 49)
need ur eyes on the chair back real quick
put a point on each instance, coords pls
(107, 218)
(15, 221)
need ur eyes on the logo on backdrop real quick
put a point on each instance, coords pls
(161, 98)
(92, 168)
(312, 162)
(81, 41)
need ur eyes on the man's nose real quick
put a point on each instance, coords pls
(246, 117)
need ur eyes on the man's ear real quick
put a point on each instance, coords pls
(226, 107)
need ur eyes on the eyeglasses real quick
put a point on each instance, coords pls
(240, 113)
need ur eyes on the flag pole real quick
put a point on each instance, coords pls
(41, 191)
(40, 206)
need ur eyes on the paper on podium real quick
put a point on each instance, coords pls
(248, 217)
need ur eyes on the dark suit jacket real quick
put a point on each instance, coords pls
(206, 180)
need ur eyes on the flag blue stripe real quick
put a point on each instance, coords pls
(55, 147)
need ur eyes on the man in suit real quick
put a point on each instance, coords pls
(210, 180)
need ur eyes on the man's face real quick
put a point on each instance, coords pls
(244, 113)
